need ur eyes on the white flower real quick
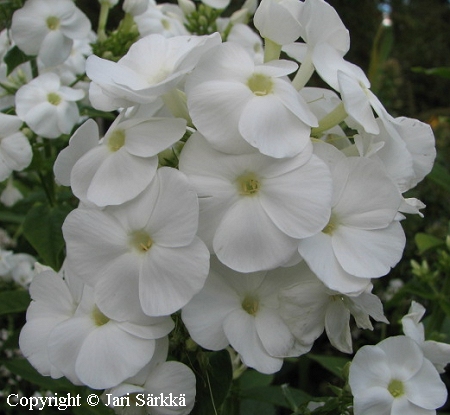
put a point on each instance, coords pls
(165, 19)
(394, 378)
(363, 239)
(15, 150)
(47, 28)
(436, 352)
(253, 208)
(243, 310)
(246, 37)
(125, 161)
(308, 307)
(144, 254)
(158, 377)
(217, 4)
(48, 108)
(10, 194)
(236, 104)
(278, 20)
(66, 334)
(320, 24)
(405, 146)
(151, 68)
(22, 271)
(135, 7)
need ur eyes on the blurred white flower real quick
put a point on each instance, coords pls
(11, 194)
(15, 150)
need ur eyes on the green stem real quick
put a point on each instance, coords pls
(330, 120)
(34, 68)
(272, 50)
(304, 74)
(127, 23)
(102, 19)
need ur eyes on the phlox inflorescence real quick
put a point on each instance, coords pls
(225, 192)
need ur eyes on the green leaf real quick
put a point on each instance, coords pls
(426, 242)
(445, 305)
(443, 72)
(14, 301)
(440, 176)
(276, 395)
(14, 58)
(214, 378)
(42, 228)
(334, 364)
(253, 379)
(251, 407)
(22, 368)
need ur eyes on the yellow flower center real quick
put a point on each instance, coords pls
(331, 226)
(99, 318)
(248, 184)
(54, 98)
(260, 84)
(53, 23)
(141, 241)
(396, 388)
(250, 304)
(116, 140)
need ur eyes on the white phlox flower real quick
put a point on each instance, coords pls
(320, 24)
(15, 149)
(363, 239)
(22, 271)
(47, 28)
(165, 19)
(437, 353)
(394, 378)
(354, 87)
(123, 163)
(152, 67)
(10, 194)
(238, 105)
(405, 146)
(135, 7)
(144, 254)
(254, 208)
(278, 20)
(67, 331)
(247, 38)
(158, 377)
(308, 307)
(243, 310)
(48, 108)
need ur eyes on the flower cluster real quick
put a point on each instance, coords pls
(225, 189)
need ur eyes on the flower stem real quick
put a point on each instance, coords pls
(330, 120)
(102, 19)
(272, 50)
(303, 74)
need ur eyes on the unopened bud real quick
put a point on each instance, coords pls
(187, 6)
